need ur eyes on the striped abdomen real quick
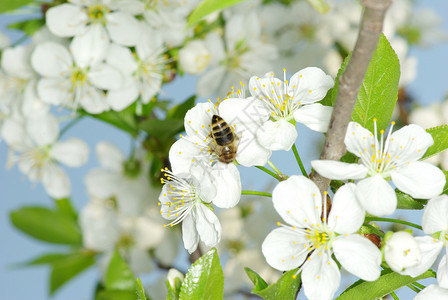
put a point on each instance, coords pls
(221, 131)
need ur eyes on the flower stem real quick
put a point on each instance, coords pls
(274, 168)
(256, 193)
(70, 124)
(413, 288)
(267, 171)
(393, 221)
(376, 231)
(299, 161)
(394, 296)
(420, 286)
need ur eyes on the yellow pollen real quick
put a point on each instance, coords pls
(278, 223)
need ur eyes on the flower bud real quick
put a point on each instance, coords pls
(194, 57)
(402, 251)
(172, 275)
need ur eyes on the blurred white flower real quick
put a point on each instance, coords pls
(95, 21)
(39, 151)
(401, 251)
(122, 179)
(392, 158)
(236, 57)
(76, 78)
(172, 275)
(143, 69)
(18, 83)
(4, 41)
(291, 100)
(432, 116)
(311, 238)
(194, 57)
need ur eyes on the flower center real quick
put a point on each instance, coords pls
(78, 78)
(182, 196)
(125, 241)
(97, 14)
(378, 159)
(319, 238)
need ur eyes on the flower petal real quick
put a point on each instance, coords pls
(358, 139)
(359, 256)
(419, 179)
(376, 196)
(105, 77)
(280, 250)
(102, 183)
(435, 215)
(15, 62)
(442, 273)
(55, 181)
(228, 185)
(55, 91)
(430, 249)
(315, 116)
(73, 152)
(93, 100)
(339, 170)
(190, 235)
(346, 215)
(90, 47)
(119, 99)
(309, 85)
(43, 129)
(66, 20)
(298, 201)
(123, 28)
(321, 277)
(279, 135)
(109, 156)
(409, 143)
(184, 152)
(250, 152)
(198, 120)
(51, 59)
(433, 292)
(121, 58)
(243, 111)
(210, 81)
(208, 226)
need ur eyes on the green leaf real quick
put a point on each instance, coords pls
(48, 258)
(388, 282)
(319, 5)
(64, 206)
(179, 111)
(115, 295)
(407, 202)
(67, 268)
(140, 290)
(285, 288)
(9, 5)
(440, 136)
(330, 97)
(47, 225)
(118, 275)
(163, 129)
(207, 7)
(205, 279)
(379, 90)
(259, 283)
(28, 26)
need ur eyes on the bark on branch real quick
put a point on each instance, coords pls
(350, 82)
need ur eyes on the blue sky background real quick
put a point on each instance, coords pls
(16, 191)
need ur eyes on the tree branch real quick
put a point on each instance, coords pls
(350, 82)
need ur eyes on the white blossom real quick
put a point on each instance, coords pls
(39, 152)
(401, 251)
(311, 238)
(187, 198)
(291, 100)
(394, 158)
(194, 57)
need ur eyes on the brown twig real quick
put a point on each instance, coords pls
(195, 255)
(350, 83)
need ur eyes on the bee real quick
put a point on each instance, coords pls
(225, 141)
